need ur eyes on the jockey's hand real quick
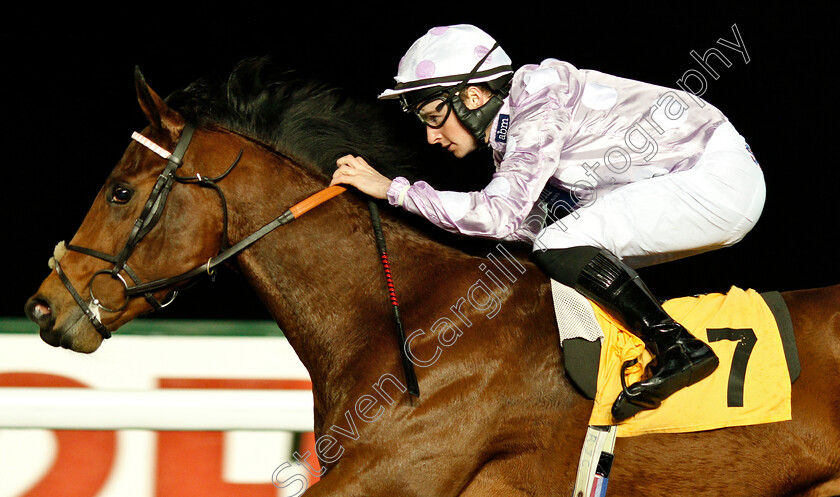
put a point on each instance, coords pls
(357, 172)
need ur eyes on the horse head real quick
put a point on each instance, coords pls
(136, 217)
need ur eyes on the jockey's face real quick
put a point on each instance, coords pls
(445, 129)
(452, 136)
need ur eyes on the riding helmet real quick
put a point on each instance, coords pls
(443, 62)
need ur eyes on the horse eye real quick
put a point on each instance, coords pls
(121, 195)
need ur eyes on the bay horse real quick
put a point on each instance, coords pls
(496, 414)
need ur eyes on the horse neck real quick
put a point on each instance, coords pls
(321, 276)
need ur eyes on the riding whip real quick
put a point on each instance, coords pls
(408, 368)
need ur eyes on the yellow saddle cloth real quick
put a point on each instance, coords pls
(752, 385)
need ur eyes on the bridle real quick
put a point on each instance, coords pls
(149, 217)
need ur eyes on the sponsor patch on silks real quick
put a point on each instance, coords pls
(502, 128)
(752, 384)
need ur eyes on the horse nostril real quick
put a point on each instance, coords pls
(38, 310)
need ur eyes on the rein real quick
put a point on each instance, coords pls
(150, 215)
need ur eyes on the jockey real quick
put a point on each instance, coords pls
(651, 174)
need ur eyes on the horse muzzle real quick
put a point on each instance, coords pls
(67, 329)
(39, 311)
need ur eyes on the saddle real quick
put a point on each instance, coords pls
(751, 333)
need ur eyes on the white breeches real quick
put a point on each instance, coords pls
(710, 206)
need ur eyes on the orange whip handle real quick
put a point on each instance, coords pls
(315, 200)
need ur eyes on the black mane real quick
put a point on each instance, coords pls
(307, 120)
(314, 123)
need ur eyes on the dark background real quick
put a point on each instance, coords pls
(69, 108)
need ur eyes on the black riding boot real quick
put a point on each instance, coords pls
(679, 359)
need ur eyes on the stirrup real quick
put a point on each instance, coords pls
(629, 403)
(624, 407)
(624, 367)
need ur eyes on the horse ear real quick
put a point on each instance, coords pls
(159, 114)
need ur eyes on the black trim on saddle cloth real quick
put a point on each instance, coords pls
(780, 311)
(581, 357)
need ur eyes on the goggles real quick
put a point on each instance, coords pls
(434, 111)
(435, 117)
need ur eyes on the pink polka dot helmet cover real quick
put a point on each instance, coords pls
(444, 56)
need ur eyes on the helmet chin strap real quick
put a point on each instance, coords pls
(477, 120)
